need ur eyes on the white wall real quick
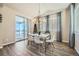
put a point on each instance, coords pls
(8, 25)
(0, 31)
(65, 26)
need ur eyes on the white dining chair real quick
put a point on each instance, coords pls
(38, 42)
(49, 43)
(30, 40)
(50, 40)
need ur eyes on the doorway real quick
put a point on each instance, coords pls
(21, 28)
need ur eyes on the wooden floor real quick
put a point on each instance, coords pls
(21, 49)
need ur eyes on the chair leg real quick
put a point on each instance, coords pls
(28, 42)
(31, 42)
(53, 45)
(39, 48)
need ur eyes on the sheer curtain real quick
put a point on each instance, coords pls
(53, 26)
(43, 25)
(72, 25)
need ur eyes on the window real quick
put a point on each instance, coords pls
(21, 28)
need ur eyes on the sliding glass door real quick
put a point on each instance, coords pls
(21, 28)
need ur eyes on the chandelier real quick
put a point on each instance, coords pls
(38, 19)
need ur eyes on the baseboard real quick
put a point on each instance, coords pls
(77, 51)
(12, 42)
(21, 40)
(8, 43)
(65, 41)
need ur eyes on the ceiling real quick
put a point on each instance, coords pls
(31, 9)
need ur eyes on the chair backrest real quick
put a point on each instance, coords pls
(37, 39)
(53, 37)
(30, 37)
(49, 36)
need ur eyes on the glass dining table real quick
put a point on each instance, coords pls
(43, 36)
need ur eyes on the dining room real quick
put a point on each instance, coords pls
(38, 29)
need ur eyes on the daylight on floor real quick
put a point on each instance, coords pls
(39, 29)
